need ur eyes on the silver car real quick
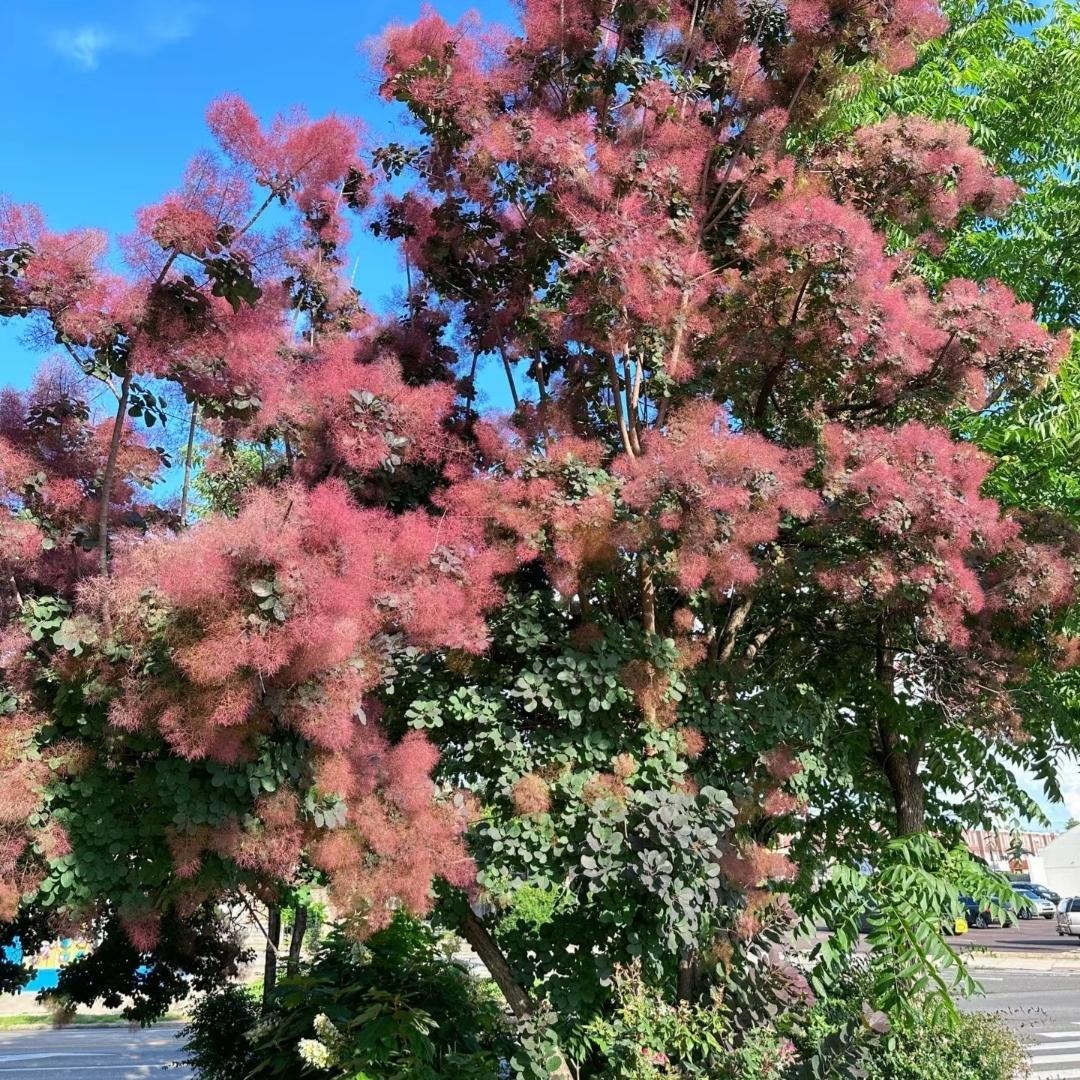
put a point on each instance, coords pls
(1036, 904)
(1068, 916)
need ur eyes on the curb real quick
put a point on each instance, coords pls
(1021, 961)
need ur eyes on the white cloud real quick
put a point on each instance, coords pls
(150, 28)
(83, 45)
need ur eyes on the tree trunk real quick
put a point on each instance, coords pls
(900, 764)
(647, 586)
(688, 974)
(521, 1005)
(296, 941)
(902, 772)
(485, 946)
(273, 942)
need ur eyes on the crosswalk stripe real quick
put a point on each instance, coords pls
(1046, 1059)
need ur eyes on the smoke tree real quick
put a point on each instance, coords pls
(578, 659)
(810, 328)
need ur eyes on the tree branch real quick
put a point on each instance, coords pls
(624, 432)
(767, 386)
(736, 617)
(187, 465)
(647, 587)
(270, 958)
(110, 471)
(484, 945)
(631, 387)
(521, 1005)
(296, 940)
(510, 379)
(712, 215)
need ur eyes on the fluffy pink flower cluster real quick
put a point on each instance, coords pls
(933, 545)
(712, 497)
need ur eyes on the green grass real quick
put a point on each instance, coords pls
(44, 1020)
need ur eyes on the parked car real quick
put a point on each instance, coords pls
(952, 923)
(1043, 891)
(1035, 904)
(980, 916)
(972, 914)
(1068, 917)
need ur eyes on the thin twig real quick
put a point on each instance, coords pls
(472, 389)
(624, 433)
(510, 379)
(110, 471)
(187, 465)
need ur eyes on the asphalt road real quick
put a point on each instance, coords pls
(1027, 935)
(1043, 1008)
(105, 1053)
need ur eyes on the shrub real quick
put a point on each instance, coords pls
(395, 1007)
(645, 1037)
(966, 1047)
(925, 1041)
(217, 1042)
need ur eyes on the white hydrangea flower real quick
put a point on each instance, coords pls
(326, 1032)
(260, 1030)
(360, 954)
(316, 1054)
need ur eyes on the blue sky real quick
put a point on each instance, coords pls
(111, 95)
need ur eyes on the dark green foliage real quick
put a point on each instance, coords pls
(635, 874)
(121, 807)
(232, 278)
(216, 1036)
(116, 819)
(615, 860)
(921, 1044)
(194, 954)
(396, 1007)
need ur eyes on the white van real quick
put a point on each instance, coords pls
(1068, 916)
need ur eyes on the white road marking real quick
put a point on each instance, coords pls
(1065, 973)
(144, 1070)
(51, 1054)
(1046, 1060)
